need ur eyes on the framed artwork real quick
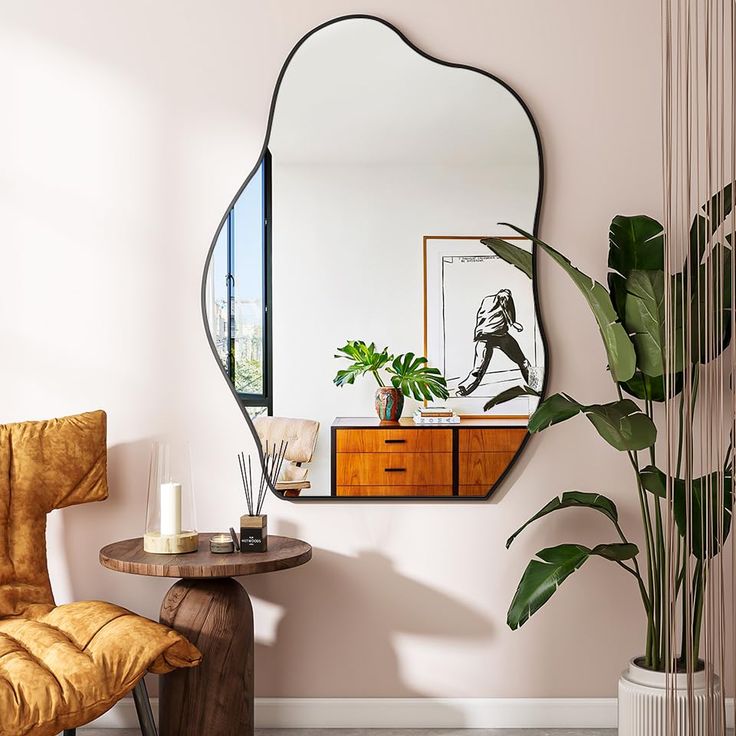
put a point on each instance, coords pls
(480, 325)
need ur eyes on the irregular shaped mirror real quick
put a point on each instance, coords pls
(348, 297)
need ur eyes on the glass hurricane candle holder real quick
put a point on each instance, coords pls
(170, 520)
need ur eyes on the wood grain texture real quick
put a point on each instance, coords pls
(393, 440)
(482, 468)
(491, 440)
(396, 469)
(395, 490)
(217, 696)
(128, 556)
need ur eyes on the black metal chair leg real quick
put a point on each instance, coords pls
(143, 708)
(70, 732)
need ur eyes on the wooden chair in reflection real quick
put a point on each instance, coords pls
(301, 436)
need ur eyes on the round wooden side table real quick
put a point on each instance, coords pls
(214, 612)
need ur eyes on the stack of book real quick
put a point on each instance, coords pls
(435, 415)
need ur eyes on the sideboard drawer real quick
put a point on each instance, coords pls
(504, 439)
(395, 468)
(482, 468)
(394, 440)
(388, 491)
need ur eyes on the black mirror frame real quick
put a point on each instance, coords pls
(535, 232)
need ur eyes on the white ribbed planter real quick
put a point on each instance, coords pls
(642, 703)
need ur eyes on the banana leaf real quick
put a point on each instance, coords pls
(619, 348)
(510, 393)
(572, 499)
(543, 576)
(620, 423)
(701, 533)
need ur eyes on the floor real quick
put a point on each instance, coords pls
(393, 732)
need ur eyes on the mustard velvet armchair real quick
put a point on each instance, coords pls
(63, 666)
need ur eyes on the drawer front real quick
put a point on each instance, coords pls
(482, 468)
(394, 491)
(491, 440)
(394, 440)
(393, 469)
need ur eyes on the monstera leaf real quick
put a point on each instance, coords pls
(554, 565)
(365, 359)
(414, 377)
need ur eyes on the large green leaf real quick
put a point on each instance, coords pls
(572, 499)
(705, 225)
(710, 307)
(412, 375)
(621, 423)
(618, 345)
(651, 388)
(706, 516)
(554, 409)
(554, 565)
(511, 253)
(635, 244)
(654, 480)
(644, 320)
(541, 579)
(510, 393)
(364, 358)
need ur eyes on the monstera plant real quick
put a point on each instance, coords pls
(409, 376)
(630, 314)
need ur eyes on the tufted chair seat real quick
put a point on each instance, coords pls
(62, 666)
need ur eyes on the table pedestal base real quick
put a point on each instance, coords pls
(215, 698)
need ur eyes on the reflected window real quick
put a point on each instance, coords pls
(239, 293)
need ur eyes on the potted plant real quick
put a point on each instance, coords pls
(409, 375)
(631, 319)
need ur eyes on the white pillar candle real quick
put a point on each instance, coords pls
(170, 508)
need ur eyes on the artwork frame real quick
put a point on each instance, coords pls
(460, 276)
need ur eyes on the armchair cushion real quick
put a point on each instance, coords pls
(70, 665)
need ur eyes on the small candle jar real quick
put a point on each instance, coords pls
(221, 544)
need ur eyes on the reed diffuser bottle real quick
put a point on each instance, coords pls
(254, 524)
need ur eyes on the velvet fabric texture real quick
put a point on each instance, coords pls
(62, 666)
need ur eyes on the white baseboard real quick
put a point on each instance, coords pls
(414, 713)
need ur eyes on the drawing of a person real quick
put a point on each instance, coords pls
(496, 315)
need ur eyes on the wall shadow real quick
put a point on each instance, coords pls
(341, 615)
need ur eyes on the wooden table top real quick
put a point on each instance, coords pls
(128, 556)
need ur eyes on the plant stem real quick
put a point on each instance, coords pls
(377, 376)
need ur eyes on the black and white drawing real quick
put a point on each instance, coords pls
(496, 317)
(481, 326)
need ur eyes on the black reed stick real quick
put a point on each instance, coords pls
(273, 460)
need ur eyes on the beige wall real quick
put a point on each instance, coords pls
(126, 127)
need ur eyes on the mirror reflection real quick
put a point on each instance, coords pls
(349, 298)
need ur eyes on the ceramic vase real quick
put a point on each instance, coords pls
(642, 702)
(389, 403)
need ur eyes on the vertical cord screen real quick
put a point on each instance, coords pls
(698, 168)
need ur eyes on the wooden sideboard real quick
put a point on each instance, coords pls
(379, 459)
